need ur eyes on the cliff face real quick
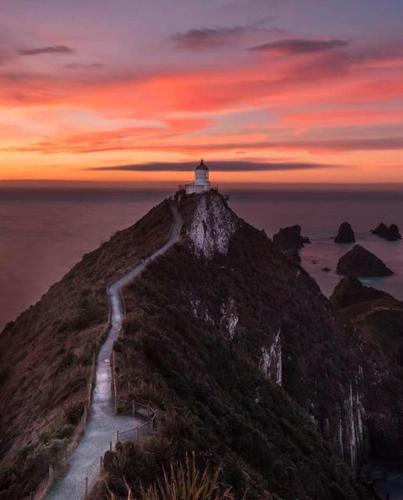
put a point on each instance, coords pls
(298, 342)
(375, 320)
(46, 357)
(240, 353)
(211, 227)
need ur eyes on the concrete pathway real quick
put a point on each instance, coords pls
(103, 422)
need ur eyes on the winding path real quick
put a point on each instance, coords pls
(103, 422)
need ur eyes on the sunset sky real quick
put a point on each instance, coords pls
(263, 90)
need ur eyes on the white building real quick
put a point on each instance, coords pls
(201, 183)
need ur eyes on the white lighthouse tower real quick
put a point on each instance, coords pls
(201, 183)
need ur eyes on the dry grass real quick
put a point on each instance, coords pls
(185, 481)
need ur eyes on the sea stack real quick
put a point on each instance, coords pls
(360, 262)
(345, 234)
(289, 240)
(390, 233)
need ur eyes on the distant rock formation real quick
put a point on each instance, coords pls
(390, 233)
(361, 262)
(345, 234)
(289, 240)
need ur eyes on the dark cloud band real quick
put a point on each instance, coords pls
(51, 49)
(300, 46)
(206, 38)
(218, 166)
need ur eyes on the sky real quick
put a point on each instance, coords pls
(265, 91)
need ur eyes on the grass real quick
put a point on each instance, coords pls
(46, 354)
(208, 390)
(184, 481)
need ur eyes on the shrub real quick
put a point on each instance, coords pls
(64, 432)
(58, 431)
(184, 481)
(73, 413)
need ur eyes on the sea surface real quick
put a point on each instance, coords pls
(45, 231)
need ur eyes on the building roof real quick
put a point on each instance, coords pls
(201, 166)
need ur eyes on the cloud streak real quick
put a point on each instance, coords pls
(217, 166)
(50, 49)
(298, 46)
(207, 38)
(299, 102)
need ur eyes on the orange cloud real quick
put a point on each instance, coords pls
(204, 110)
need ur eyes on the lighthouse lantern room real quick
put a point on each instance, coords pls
(201, 183)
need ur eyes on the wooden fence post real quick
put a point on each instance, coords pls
(117, 436)
(137, 433)
(101, 463)
(86, 487)
(110, 445)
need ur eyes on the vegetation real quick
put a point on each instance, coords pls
(46, 356)
(375, 319)
(184, 481)
(210, 393)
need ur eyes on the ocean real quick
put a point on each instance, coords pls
(45, 231)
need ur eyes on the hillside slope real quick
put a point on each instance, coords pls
(231, 342)
(240, 354)
(46, 356)
(375, 319)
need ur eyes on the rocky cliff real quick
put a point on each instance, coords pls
(231, 342)
(361, 262)
(241, 355)
(374, 319)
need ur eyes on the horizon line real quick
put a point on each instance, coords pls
(161, 185)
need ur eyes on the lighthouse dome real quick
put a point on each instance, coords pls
(202, 166)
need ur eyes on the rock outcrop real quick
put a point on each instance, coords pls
(290, 240)
(212, 226)
(374, 320)
(390, 233)
(345, 234)
(362, 263)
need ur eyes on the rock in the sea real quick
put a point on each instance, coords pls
(361, 262)
(390, 233)
(289, 240)
(345, 234)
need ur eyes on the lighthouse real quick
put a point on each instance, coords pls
(201, 183)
